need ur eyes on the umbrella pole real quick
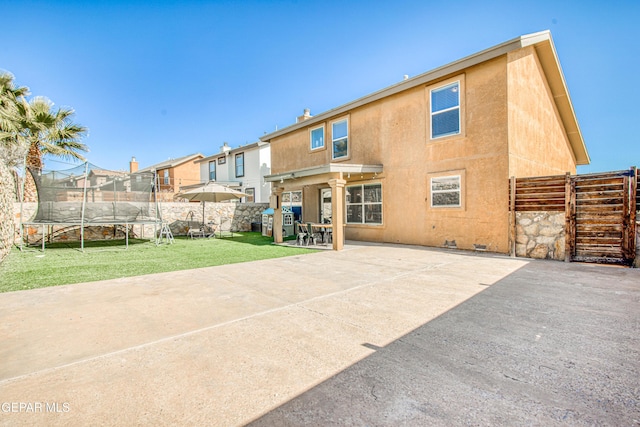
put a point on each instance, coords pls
(203, 202)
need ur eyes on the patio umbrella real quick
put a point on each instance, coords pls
(211, 192)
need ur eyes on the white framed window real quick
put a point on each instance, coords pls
(340, 139)
(446, 192)
(364, 204)
(445, 110)
(239, 165)
(166, 177)
(317, 138)
(212, 171)
(251, 195)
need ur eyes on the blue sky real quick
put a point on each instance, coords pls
(164, 79)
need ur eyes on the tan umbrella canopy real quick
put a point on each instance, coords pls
(210, 192)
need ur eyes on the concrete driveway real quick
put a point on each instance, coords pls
(373, 335)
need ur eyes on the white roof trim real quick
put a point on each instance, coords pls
(546, 52)
(320, 170)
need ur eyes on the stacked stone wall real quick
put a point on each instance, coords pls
(540, 235)
(7, 197)
(179, 216)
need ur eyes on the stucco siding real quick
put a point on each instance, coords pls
(538, 144)
(509, 126)
(185, 174)
(410, 159)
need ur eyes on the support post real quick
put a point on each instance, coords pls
(633, 207)
(276, 204)
(22, 184)
(84, 203)
(512, 217)
(337, 212)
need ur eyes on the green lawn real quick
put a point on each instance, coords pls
(64, 263)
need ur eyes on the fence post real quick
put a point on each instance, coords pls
(570, 224)
(512, 217)
(631, 238)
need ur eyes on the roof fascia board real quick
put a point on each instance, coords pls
(170, 163)
(548, 57)
(429, 76)
(324, 169)
(251, 146)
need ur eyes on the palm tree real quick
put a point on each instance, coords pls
(50, 132)
(35, 123)
(11, 144)
(35, 129)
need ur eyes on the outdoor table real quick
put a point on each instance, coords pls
(325, 230)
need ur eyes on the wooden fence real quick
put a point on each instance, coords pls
(600, 212)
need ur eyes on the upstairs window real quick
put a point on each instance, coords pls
(340, 139)
(317, 138)
(212, 171)
(239, 165)
(445, 110)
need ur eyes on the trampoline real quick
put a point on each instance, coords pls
(88, 195)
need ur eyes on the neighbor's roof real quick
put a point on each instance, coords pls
(240, 149)
(171, 162)
(545, 49)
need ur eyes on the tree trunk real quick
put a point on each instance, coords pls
(34, 162)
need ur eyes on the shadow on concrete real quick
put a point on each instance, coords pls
(552, 343)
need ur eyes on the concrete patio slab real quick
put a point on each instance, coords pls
(301, 340)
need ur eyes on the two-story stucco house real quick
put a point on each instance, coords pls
(241, 168)
(428, 160)
(172, 174)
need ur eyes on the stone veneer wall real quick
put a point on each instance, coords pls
(540, 235)
(179, 216)
(7, 197)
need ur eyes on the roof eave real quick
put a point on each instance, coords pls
(545, 49)
(324, 169)
(418, 80)
(550, 63)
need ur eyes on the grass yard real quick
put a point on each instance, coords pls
(64, 263)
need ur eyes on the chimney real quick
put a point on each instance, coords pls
(306, 116)
(225, 148)
(133, 165)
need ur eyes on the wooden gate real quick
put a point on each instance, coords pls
(601, 217)
(600, 212)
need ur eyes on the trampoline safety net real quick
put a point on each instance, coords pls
(87, 194)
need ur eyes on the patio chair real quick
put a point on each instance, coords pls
(194, 232)
(225, 227)
(314, 234)
(301, 238)
(201, 231)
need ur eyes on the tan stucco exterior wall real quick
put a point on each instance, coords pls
(477, 155)
(187, 173)
(538, 144)
(500, 136)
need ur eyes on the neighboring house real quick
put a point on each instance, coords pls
(173, 173)
(427, 161)
(241, 168)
